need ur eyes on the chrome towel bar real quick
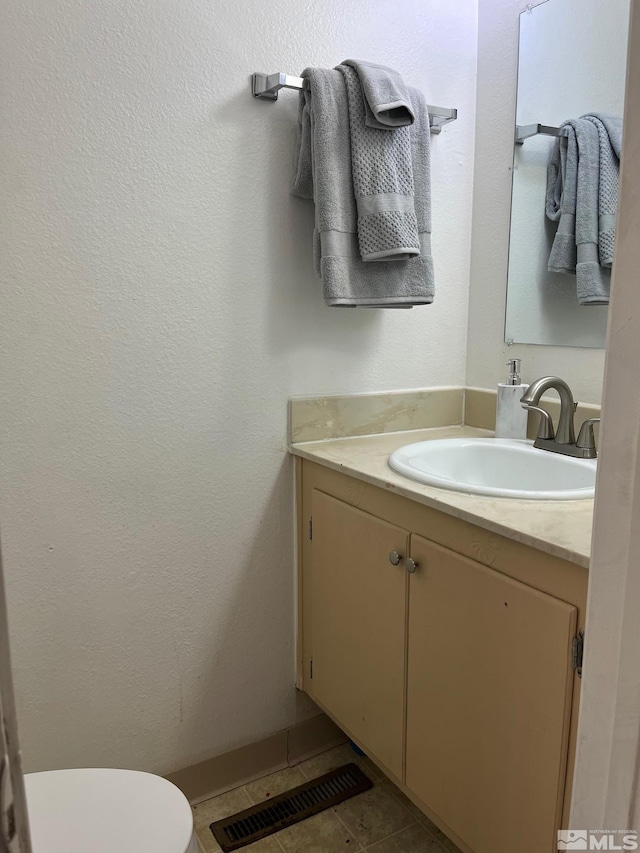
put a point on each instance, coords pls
(267, 86)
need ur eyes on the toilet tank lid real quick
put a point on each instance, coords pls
(106, 811)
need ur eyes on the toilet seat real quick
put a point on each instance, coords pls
(107, 811)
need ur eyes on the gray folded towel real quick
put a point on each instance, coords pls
(386, 98)
(610, 139)
(382, 183)
(582, 196)
(561, 200)
(324, 173)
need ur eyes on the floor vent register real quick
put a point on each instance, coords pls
(291, 807)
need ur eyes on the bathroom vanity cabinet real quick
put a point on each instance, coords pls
(450, 654)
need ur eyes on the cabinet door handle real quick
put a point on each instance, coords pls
(395, 558)
(410, 565)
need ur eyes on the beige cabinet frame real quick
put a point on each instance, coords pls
(465, 565)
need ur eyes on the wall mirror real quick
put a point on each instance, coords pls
(572, 62)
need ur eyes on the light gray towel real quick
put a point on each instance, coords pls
(561, 200)
(382, 183)
(323, 173)
(610, 139)
(386, 99)
(582, 193)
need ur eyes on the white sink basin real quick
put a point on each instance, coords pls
(499, 467)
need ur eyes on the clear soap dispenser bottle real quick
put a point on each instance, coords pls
(511, 418)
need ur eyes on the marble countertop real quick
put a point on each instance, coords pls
(561, 528)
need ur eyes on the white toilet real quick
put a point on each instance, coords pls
(107, 811)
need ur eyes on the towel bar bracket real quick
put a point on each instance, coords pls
(526, 131)
(266, 88)
(439, 116)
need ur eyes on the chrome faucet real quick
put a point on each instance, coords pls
(564, 439)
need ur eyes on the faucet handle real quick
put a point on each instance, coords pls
(545, 430)
(586, 439)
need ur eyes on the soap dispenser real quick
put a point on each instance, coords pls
(511, 418)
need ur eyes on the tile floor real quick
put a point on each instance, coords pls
(381, 820)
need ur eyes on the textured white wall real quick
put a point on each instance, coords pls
(495, 111)
(158, 307)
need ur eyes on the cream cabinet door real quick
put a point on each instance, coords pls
(358, 625)
(489, 690)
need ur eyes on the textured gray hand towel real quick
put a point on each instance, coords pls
(561, 200)
(386, 99)
(323, 172)
(382, 183)
(582, 192)
(610, 141)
